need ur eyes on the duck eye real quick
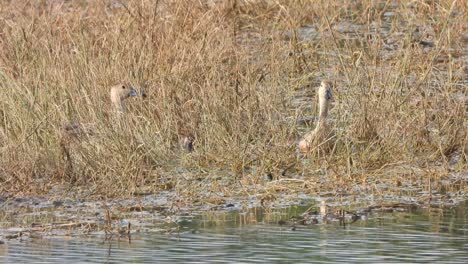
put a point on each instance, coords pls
(123, 86)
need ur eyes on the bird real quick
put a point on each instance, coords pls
(320, 138)
(184, 132)
(120, 92)
(186, 139)
(76, 132)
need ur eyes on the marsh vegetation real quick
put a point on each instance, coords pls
(240, 78)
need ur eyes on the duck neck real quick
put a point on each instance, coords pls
(323, 109)
(118, 106)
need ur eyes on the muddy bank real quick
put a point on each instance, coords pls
(75, 212)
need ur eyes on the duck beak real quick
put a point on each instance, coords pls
(133, 92)
(329, 95)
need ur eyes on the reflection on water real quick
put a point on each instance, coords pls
(429, 235)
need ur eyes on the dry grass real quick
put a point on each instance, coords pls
(239, 76)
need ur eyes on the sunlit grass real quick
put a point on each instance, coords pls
(240, 76)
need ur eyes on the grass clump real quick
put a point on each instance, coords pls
(239, 75)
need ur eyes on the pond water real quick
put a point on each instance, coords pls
(431, 235)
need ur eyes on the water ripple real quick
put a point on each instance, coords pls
(411, 239)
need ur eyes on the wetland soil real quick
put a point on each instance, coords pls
(74, 211)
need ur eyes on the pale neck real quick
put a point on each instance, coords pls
(323, 113)
(323, 108)
(118, 106)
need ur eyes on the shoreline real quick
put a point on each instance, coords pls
(80, 213)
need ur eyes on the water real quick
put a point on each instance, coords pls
(424, 236)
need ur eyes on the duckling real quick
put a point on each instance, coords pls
(186, 139)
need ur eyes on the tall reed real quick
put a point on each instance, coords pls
(239, 75)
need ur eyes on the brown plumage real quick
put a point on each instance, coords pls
(184, 119)
(186, 139)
